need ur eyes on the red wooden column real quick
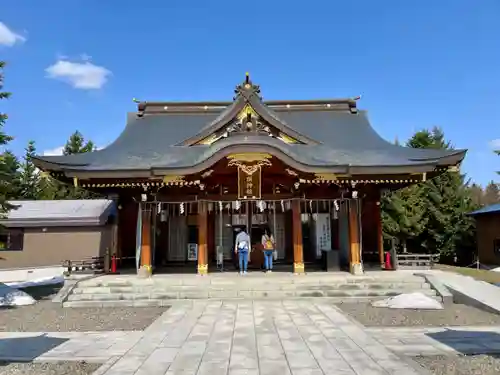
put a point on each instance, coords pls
(146, 258)
(202, 238)
(298, 251)
(355, 265)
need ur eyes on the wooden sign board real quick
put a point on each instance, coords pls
(249, 183)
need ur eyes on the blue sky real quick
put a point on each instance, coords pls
(77, 64)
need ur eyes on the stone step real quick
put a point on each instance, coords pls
(218, 294)
(245, 287)
(166, 302)
(250, 281)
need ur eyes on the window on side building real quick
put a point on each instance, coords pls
(11, 239)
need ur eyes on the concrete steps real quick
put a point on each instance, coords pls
(162, 290)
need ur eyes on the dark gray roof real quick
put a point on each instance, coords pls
(58, 213)
(492, 209)
(341, 141)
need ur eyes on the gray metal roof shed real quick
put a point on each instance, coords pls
(59, 213)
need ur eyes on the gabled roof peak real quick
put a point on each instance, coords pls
(246, 91)
(247, 88)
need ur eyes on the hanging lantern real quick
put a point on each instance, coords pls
(260, 206)
(181, 208)
(238, 205)
(282, 206)
(336, 204)
(220, 206)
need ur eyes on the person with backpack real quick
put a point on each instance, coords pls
(242, 248)
(268, 246)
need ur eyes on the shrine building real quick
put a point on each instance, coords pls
(185, 175)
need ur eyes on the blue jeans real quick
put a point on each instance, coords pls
(243, 258)
(268, 259)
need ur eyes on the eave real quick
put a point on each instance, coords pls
(71, 171)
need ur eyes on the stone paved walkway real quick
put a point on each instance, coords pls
(230, 338)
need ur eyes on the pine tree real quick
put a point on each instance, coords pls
(491, 193)
(76, 144)
(447, 200)
(6, 178)
(10, 167)
(477, 195)
(403, 215)
(53, 189)
(30, 178)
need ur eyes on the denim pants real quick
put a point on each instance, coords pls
(243, 258)
(268, 259)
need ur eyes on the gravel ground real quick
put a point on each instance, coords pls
(460, 365)
(59, 368)
(47, 316)
(455, 315)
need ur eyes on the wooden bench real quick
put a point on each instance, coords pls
(92, 265)
(416, 261)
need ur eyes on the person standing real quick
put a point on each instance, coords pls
(242, 248)
(268, 246)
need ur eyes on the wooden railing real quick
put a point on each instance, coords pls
(415, 261)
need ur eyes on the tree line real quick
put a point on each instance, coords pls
(432, 217)
(429, 217)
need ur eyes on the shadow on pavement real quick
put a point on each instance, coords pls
(27, 348)
(469, 342)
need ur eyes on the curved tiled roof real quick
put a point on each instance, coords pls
(330, 138)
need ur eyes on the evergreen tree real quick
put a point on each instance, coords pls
(447, 200)
(10, 167)
(433, 138)
(432, 216)
(76, 144)
(53, 189)
(6, 178)
(29, 176)
(403, 215)
(477, 195)
(491, 193)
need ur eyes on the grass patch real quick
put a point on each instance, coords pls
(481, 275)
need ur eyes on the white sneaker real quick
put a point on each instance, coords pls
(244, 272)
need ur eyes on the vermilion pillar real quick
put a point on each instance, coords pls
(298, 251)
(355, 266)
(202, 238)
(146, 264)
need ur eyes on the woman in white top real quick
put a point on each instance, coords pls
(268, 248)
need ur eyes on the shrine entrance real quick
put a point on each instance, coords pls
(177, 233)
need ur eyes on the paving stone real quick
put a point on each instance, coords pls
(273, 367)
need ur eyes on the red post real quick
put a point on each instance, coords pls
(113, 264)
(388, 263)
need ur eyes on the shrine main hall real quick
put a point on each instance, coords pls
(186, 176)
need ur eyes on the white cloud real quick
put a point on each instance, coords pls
(495, 144)
(54, 152)
(8, 37)
(81, 75)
